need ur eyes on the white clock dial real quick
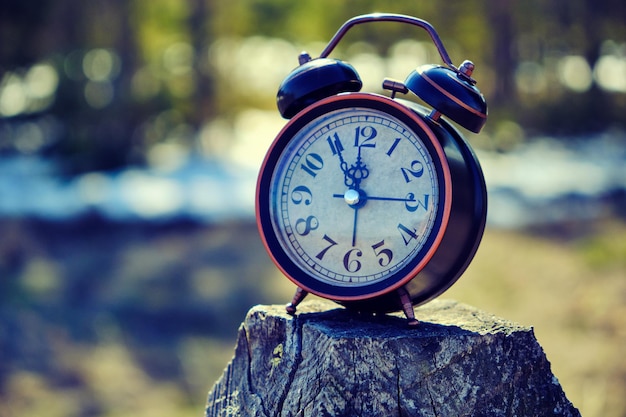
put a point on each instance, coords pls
(355, 196)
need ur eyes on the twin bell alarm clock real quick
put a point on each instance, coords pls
(370, 200)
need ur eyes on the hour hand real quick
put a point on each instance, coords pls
(336, 147)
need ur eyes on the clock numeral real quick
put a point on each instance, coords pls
(385, 255)
(335, 144)
(407, 234)
(352, 265)
(312, 164)
(368, 133)
(393, 146)
(304, 226)
(416, 170)
(412, 204)
(323, 251)
(298, 195)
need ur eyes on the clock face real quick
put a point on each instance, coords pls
(353, 197)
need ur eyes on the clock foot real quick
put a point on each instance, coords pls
(297, 298)
(407, 307)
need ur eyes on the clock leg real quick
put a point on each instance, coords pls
(407, 307)
(297, 298)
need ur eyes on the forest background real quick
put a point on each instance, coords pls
(131, 132)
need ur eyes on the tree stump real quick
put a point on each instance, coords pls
(328, 361)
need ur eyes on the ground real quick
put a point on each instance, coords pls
(109, 319)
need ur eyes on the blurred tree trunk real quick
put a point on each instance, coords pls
(500, 20)
(128, 114)
(202, 97)
(126, 47)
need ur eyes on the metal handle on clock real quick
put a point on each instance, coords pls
(390, 17)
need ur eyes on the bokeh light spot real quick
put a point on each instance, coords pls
(13, 99)
(178, 58)
(144, 84)
(530, 78)
(41, 81)
(99, 94)
(101, 64)
(610, 73)
(575, 73)
(151, 196)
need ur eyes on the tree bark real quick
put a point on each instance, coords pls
(327, 361)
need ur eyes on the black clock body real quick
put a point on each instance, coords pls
(432, 266)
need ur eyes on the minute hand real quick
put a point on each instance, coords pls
(368, 197)
(390, 198)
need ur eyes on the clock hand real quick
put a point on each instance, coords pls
(363, 197)
(337, 148)
(356, 212)
(390, 198)
(356, 173)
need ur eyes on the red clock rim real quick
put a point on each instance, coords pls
(447, 180)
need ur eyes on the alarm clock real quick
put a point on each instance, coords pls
(373, 200)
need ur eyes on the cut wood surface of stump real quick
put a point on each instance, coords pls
(327, 361)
